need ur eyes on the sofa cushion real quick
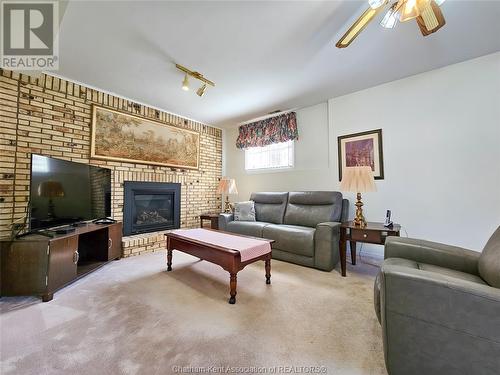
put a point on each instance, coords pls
(248, 228)
(270, 207)
(309, 208)
(244, 211)
(291, 238)
(489, 261)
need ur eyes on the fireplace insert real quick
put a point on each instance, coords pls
(151, 206)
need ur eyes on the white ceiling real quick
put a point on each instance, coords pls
(263, 55)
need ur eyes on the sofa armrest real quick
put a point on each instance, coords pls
(434, 322)
(438, 254)
(326, 245)
(224, 219)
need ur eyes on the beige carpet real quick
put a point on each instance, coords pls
(132, 317)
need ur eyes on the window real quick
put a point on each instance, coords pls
(277, 155)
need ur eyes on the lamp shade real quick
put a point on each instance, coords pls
(50, 189)
(227, 186)
(358, 180)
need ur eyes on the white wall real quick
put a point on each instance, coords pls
(441, 143)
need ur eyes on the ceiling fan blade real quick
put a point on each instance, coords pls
(358, 27)
(431, 19)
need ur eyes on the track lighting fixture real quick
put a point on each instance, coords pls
(189, 73)
(201, 91)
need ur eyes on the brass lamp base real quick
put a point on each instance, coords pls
(227, 206)
(359, 219)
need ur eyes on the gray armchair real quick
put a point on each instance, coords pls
(439, 307)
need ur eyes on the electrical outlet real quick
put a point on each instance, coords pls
(8, 176)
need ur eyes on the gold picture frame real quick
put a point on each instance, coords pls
(124, 137)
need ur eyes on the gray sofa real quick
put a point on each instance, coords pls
(439, 307)
(304, 225)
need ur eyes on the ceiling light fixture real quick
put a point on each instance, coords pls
(391, 17)
(189, 73)
(411, 9)
(426, 12)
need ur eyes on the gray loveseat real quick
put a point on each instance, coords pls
(304, 225)
(439, 307)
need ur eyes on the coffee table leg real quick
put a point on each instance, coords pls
(169, 260)
(232, 284)
(268, 271)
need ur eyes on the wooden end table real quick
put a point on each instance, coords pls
(213, 217)
(374, 233)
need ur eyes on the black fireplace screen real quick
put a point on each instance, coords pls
(150, 206)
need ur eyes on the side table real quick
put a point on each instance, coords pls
(374, 233)
(213, 217)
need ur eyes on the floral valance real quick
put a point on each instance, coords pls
(276, 129)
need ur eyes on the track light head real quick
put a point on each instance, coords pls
(185, 83)
(201, 91)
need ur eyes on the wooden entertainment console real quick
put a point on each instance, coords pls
(39, 265)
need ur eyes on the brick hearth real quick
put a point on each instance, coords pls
(143, 243)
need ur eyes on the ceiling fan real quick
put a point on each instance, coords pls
(426, 12)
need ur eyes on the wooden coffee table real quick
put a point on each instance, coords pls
(229, 259)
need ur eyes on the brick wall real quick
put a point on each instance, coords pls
(52, 117)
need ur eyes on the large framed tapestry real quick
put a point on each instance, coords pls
(124, 137)
(362, 149)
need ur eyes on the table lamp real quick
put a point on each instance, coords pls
(50, 189)
(358, 180)
(227, 186)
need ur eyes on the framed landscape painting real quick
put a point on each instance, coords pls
(362, 149)
(123, 137)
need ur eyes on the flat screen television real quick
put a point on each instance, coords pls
(64, 192)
